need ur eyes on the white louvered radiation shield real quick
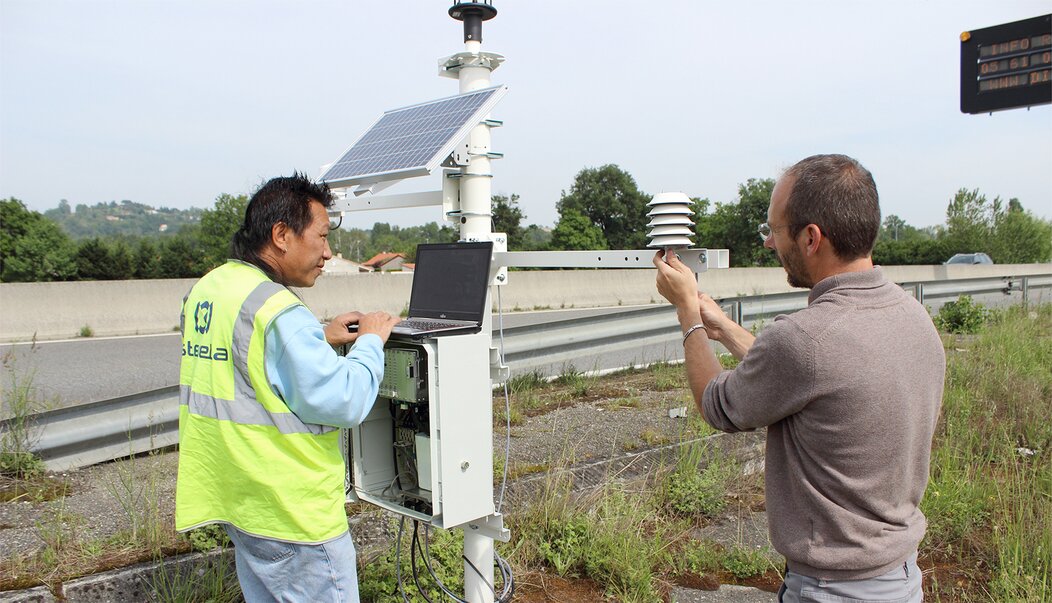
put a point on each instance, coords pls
(671, 226)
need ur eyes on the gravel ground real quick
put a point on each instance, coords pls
(617, 418)
(95, 508)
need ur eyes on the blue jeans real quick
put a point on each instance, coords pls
(900, 585)
(283, 572)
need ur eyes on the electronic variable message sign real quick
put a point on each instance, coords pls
(1007, 66)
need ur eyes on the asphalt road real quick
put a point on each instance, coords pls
(76, 371)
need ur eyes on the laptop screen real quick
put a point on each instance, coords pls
(450, 281)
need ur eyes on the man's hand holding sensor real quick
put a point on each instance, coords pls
(676, 283)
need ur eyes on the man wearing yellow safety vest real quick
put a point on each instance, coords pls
(262, 398)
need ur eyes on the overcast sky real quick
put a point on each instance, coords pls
(173, 103)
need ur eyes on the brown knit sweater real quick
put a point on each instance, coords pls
(849, 390)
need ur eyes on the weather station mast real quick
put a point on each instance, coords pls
(425, 451)
(472, 68)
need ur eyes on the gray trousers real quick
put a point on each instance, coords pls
(900, 585)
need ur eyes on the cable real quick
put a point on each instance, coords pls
(412, 560)
(426, 555)
(507, 405)
(398, 559)
(507, 578)
(484, 581)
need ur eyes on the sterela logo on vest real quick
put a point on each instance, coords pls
(203, 322)
(203, 317)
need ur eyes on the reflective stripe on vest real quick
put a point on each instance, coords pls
(247, 412)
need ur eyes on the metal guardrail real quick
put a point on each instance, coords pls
(109, 429)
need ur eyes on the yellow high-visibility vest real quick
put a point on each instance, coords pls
(244, 457)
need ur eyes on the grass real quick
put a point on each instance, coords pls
(210, 580)
(70, 550)
(697, 488)
(378, 577)
(989, 501)
(20, 403)
(627, 538)
(988, 504)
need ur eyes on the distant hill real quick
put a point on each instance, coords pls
(125, 218)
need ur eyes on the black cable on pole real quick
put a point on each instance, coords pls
(426, 555)
(398, 560)
(412, 560)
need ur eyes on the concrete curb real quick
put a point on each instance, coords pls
(125, 585)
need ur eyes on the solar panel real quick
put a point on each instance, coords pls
(412, 141)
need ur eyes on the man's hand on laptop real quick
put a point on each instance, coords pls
(346, 328)
(378, 323)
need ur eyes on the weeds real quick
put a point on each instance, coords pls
(86, 331)
(988, 502)
(211, 580)
(617, 537)
(668, 376)
(136, 490)
(209, 537)
(378, 578)
(526, 382)
(18, 434)
(578, 383)
(744, 563)
(961, 316)
(688, 491)
(702, 557)
(728, 361)
(653, 437)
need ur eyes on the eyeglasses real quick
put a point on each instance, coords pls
(766, 230)
(335, 220)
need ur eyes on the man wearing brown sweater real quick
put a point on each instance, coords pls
(848, 388)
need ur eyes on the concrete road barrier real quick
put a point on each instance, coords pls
(61, 310)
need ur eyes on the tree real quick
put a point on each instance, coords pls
(32, 248)
(609, 198)
(913, 251)
(575, 231)
(218, 226)
(181, 256)
(1009, 236)
(94, 260)
(507, 218)
(122, 261)
(733, 226)
(1020, 237)
(147, 260)
(969, 221)
(893, 227)
(536, 238)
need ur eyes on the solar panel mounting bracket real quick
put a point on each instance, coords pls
(450, 66)
(462, 155)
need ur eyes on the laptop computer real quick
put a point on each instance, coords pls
(450, 282)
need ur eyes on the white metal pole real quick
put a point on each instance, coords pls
(475, 186)
(478, 550)
(475, 207)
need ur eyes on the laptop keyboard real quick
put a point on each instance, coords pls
(418, 324)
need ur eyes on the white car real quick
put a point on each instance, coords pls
(969, 258)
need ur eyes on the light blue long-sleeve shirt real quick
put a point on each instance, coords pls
(316, 383)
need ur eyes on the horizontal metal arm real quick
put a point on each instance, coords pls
(697, 259)
(388, 201)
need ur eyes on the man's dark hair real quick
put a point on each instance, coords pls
(839, 195)
(285, 199)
